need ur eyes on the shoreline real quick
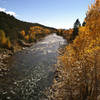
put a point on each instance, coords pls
(6, 54)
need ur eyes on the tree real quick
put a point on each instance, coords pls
(77, 24)
(2, 34)
(8, 43)
(4, 41)
(84, 23)
(2, 37)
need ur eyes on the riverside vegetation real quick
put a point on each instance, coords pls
(15, 35)
(78, 69)
(14, 31)
(78, 72)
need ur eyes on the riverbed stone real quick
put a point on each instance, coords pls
(34, 68)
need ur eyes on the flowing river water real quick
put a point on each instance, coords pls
(31, 70)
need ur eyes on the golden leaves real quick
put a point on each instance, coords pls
(78, 60)
(33, 32)
(4, 41)
(22, 33)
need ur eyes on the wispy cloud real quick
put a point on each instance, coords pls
(2, 9)
(8, 12)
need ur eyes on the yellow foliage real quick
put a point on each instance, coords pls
(4, 41)
(36, 30)
(27, 37)
(8, 43)
(2, 34)
(78, 60)
(22, 33)
(82, 29)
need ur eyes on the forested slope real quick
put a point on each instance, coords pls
(12, 30)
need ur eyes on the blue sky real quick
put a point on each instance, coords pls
(54, 13)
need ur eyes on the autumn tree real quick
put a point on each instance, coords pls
(79, 66)
(22, 34)
(2, 37)
(4, 41)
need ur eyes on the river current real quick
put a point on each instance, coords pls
(31, 71)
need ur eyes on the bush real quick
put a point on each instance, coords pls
(4, 41)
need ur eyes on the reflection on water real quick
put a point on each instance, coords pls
(31, 70)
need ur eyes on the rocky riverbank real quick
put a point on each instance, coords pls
(4, 55)
(31, 71)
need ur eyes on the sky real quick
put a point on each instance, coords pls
(53, 13)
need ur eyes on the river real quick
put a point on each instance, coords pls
(31, 70)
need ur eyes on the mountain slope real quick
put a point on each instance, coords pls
(12, 27)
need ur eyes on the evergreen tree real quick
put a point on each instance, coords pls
(84, 23)
(77, 24)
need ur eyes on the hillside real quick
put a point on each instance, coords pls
(12, 27)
